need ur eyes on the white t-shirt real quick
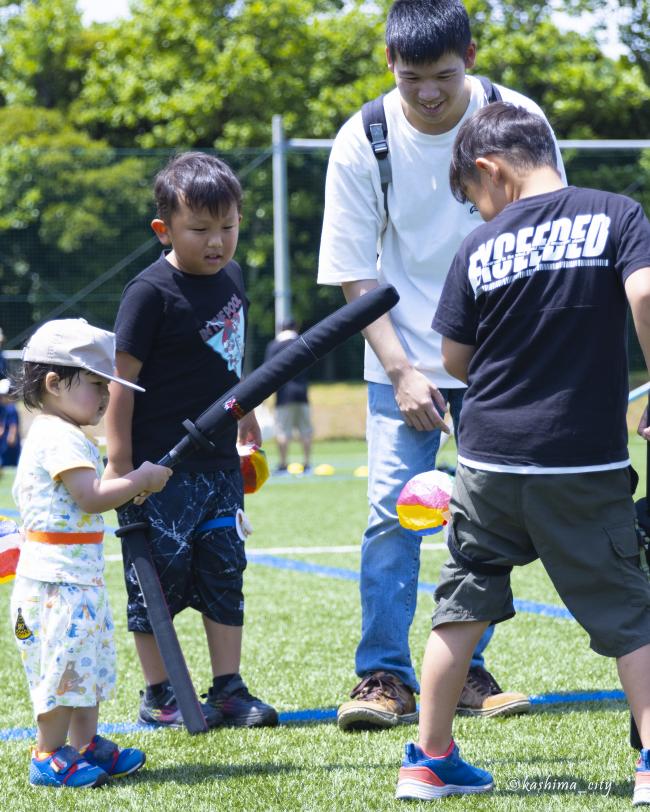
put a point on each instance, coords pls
(425, 229)
(51, 447)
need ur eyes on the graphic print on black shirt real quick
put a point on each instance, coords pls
(225, 334)
(539, 293)
(551, 246)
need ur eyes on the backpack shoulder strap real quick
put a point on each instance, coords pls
(491, 92)
(376, 129)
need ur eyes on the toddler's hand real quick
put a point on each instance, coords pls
(155, 477)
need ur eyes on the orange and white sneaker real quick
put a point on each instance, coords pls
(642, 780)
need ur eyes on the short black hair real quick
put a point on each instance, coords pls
(523, 138)
(420, 31)
(30, 385)
(202, 181)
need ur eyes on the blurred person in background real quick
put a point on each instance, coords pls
(292, 410)
(9, 426)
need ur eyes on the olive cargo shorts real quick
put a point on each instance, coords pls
(581, 526)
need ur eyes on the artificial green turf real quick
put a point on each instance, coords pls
(300, 635)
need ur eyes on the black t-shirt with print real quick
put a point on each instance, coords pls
(188, 331)
(539, 291)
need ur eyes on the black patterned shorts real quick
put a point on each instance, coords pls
(202, 569)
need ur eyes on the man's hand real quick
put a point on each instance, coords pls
(248, 430)
(414, 394)
(416, 398)
(643, 430)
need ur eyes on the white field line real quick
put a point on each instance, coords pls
(640, 390)
(348, 548)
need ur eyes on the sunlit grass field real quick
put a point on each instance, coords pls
(302, 625)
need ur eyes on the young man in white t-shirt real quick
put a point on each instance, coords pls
(428, 50)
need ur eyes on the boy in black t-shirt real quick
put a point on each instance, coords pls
(532, 316)
(180, 331)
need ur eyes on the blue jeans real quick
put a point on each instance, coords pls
(390, 558)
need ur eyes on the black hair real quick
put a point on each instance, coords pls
(420, 31)
(523, 138)
(30, 385)
(202, 181)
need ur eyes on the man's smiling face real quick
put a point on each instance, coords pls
(434, 95)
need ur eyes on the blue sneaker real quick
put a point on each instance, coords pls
(115, 762)
(424, 778)
(642, 780)
(66, 767)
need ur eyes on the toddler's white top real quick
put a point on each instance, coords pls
(53, 446)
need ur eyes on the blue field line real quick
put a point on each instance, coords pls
(544, 609)
(282, 563)
(313, 715)
(278, 562)
(579, 696)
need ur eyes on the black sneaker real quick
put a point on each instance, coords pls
(239, 707)
(162, 710)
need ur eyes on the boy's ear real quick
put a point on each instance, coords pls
(489, 169)
(160, 227)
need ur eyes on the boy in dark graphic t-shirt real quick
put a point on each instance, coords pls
(180, 331)
(533, 318)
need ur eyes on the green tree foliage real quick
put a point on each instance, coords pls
(635, 32)
(215, 73)
(44, 50)
(68, 210)
(584, 93)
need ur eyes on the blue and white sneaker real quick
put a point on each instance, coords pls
(66, 767)
(424, 778)
(642, 780)
(107, 755)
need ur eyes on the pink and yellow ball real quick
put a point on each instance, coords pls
(423, 504)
